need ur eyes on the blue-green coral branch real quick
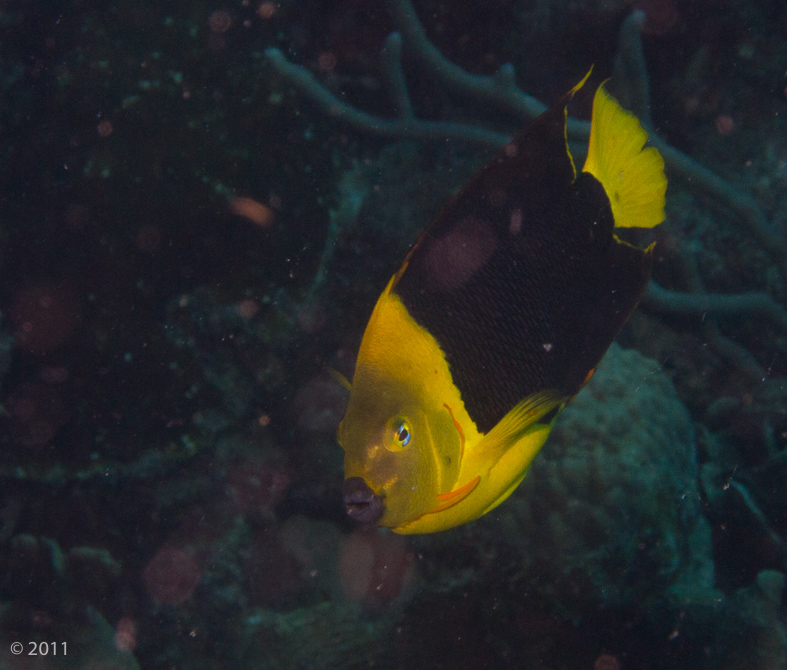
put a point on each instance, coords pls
(402, 127)
(754, 304)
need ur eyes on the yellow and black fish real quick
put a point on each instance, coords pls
(495, 321)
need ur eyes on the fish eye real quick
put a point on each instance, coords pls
(402, 434)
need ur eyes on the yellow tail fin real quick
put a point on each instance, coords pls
(632, 177)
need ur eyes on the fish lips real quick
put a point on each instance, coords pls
(361, 503)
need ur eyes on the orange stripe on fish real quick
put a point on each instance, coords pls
(458, 430)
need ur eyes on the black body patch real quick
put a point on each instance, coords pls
(520, 278)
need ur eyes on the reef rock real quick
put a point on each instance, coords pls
(610, 512)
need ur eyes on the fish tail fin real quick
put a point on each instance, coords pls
(632, 177)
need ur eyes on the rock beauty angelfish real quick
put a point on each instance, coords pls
(496, 319)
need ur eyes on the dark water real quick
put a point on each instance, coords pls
(188, 242)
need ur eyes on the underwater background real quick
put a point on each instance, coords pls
(199, 206)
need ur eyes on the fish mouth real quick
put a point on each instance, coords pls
(362, 504)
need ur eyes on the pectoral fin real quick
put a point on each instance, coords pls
(539, 408)
(340, 379)
(493, 467)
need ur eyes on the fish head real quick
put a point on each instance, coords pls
(391, 465)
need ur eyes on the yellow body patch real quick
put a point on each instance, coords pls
(450, 473)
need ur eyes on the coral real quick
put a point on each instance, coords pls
(375, 568)
(403, 127)
(39, 573)
(753, 634)
(610, 511)
(293, 563)
(47, 593)
(324, 636)
(172, 575)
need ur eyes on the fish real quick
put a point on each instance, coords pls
(495, 321)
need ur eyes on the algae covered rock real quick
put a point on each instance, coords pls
(326, 636)
(610, 512)
(752, 634)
